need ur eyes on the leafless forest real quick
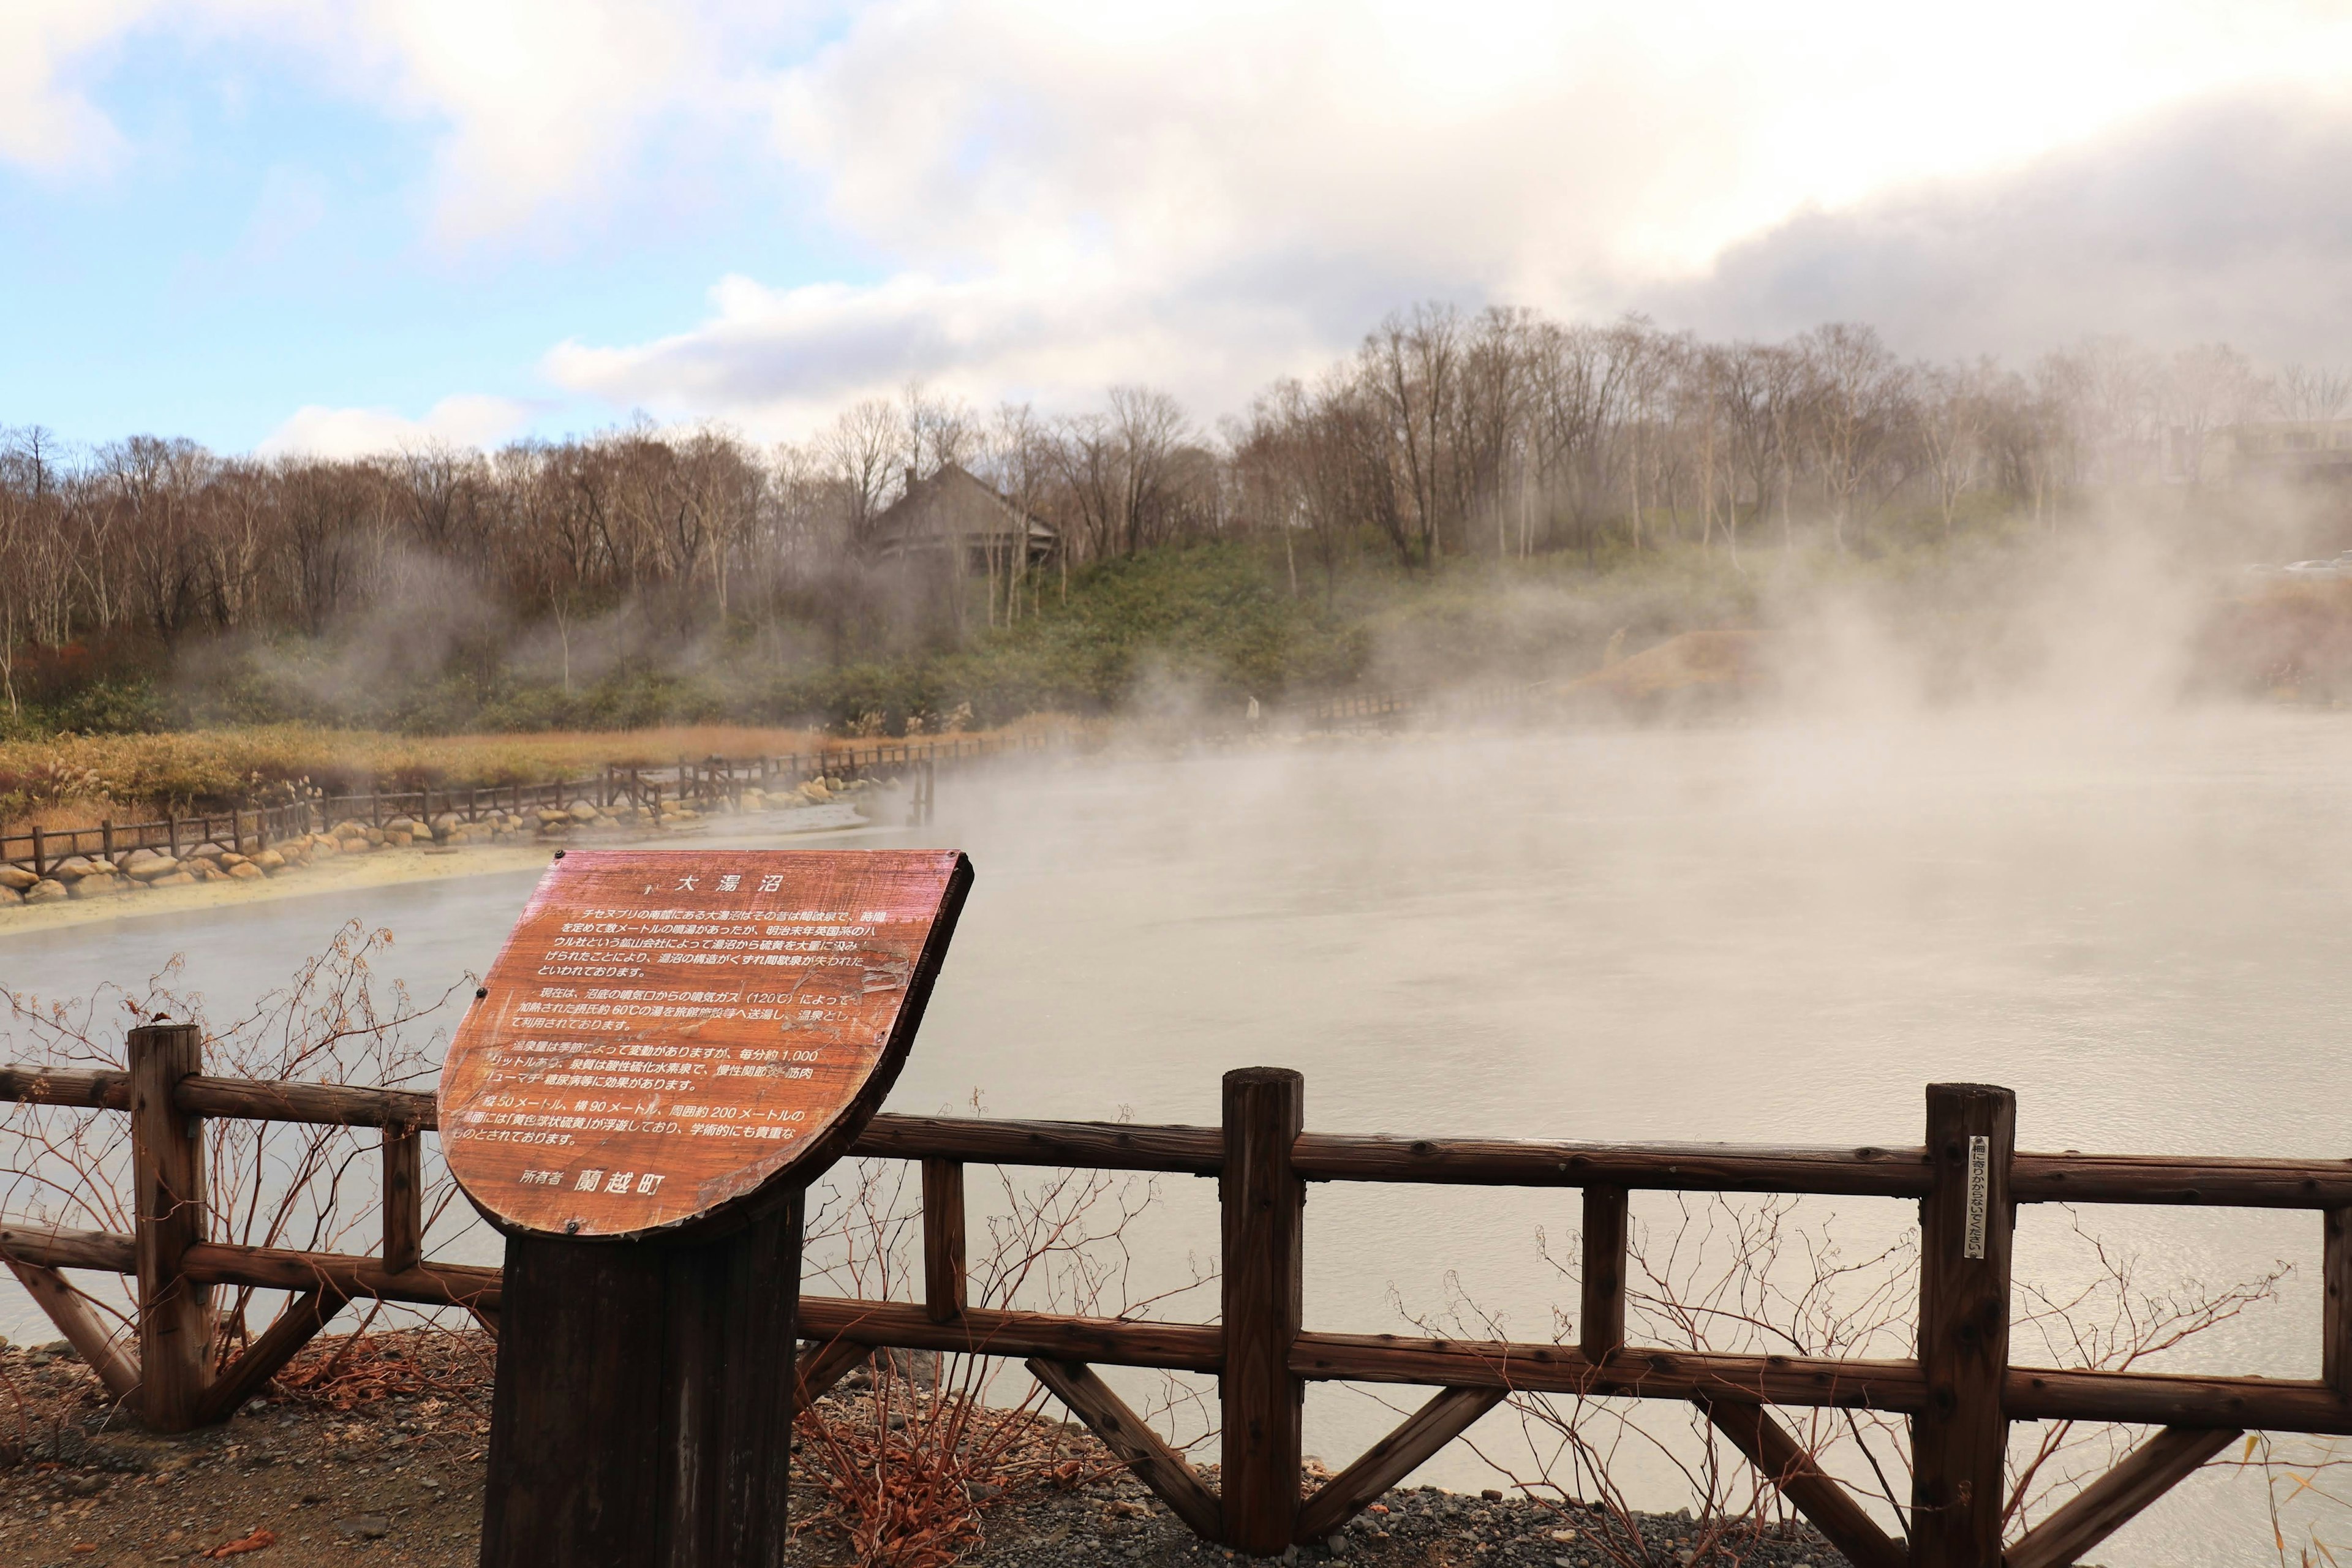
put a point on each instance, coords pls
(1447, 438)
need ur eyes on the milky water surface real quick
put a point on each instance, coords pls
(1773, 932)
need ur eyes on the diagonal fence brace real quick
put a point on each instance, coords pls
(297, 1324)
(117, 1367)
(1784, 1462)
(1392, 1459)
(2109, 1503)
(1171, 1477)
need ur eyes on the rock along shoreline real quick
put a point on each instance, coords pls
(380, 1461)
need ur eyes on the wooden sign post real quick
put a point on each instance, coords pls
(668, 1049)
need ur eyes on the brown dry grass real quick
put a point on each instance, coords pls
(71, 781)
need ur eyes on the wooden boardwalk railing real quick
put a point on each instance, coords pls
(1960, 1392)
(698, 781)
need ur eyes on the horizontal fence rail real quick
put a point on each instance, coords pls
(1264, 1355)
(1380, 710)
(1863, 1171)
(689, 781)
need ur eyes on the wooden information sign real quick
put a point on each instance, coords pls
(667, 1034)
(668, 1049)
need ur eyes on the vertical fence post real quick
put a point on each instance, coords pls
(172, 833)
(2336, 1346)
(167, 1162)
(1960, 1439)
(106, 837)
(943, 1240)
(404, 1198)
(1263, 1209)
(40, 853)
(1601, 1327)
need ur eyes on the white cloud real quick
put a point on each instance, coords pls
(546, 103)
(1069, 194)
(1051, 195)
(777, 362)
(47, 123)
(2224, 220)
(469, 420)
(543, 108)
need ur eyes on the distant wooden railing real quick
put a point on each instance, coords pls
(1960, 1391)
(1385, 708)
(699, 781)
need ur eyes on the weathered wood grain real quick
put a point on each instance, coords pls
(2112, 1502)
(1263, 1213)
(650, 1425)
(665, 1034)
(283, 1269)
(1783, 1461)
(1079, 1145)
(1704, 1167)
(404, 1199)
(822, 1365)
(65, 1306)
(943, 1240)
(1959, 1436)
(2176, 1180)
(55, 1247)
(318, 1104)
(2336, 1328)
(2031, 1393)
(2156, 1179)
(2177, 1399)
(594, 1318)
(1633, 1372)
(981, 1330)
(1392, 1459)
(729, 1381)
(297, 1324)
(1159, 1467)
(168, 1213)
(100, 1090)
(1601, 1323)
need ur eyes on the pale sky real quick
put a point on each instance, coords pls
(343, 225)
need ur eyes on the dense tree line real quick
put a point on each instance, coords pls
(1447, 435)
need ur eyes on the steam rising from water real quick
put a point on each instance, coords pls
(1774, 927)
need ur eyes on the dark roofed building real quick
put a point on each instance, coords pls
(953, 511)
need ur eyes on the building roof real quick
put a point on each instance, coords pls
(954, 508)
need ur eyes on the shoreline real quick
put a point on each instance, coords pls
(388, 867)
(373, 1450)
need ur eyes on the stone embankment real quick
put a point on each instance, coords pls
(83, 877)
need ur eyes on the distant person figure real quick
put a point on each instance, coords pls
(1254, 715)
(1616, 648)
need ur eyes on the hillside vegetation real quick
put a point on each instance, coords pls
(1211, 624)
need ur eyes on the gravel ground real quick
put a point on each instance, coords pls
(382, 1464)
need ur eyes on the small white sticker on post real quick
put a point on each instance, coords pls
(1979, 1191)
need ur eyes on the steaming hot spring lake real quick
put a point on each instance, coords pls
(1776, 931)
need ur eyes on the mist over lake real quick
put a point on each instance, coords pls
(1773, 932)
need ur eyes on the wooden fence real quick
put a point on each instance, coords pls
(1388, 709)
(1960, 1392)
(693, 780)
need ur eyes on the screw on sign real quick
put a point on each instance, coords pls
(668, 1049)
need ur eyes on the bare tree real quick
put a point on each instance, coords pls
(1953, 416)
(1858, 390)
(2305, 394)
(858, 446)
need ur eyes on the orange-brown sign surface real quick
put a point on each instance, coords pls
(666, 1033)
